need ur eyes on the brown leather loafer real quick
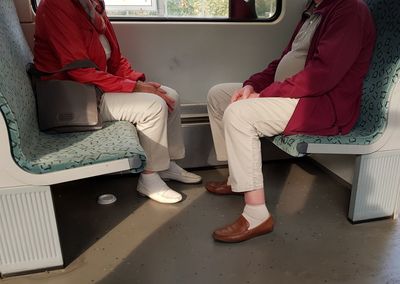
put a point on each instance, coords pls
(239, 231)
(220, 188)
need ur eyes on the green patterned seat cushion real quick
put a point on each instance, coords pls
(39, 152)
(54, 152)
(383, 75)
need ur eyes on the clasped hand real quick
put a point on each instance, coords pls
(155, 88)
(247, 92)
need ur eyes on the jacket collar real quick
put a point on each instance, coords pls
(326, 5)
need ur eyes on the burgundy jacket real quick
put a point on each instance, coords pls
(64, 33)
(330, 86)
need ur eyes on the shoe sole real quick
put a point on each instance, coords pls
(185, 182)
(225, 193)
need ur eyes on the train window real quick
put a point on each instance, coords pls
(214, 10)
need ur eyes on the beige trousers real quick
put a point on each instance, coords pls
(237, 127)
(159, 132)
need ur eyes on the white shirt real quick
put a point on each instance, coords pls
(106, 46)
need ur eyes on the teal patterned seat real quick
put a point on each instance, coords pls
(38, 152)
(378, 87)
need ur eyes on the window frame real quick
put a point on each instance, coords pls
(274, 17)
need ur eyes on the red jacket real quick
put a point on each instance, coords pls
(64, 34)
(330, 86)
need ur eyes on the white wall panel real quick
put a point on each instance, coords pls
(192, 57)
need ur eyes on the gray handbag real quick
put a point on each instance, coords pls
(66, 105)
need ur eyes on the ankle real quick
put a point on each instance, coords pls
(174, 167)
(255, 214)
(152, 181)
(152, 186)
(149, 175)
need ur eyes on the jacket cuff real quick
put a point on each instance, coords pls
(247, 83)
(137, 76)
(127, 86)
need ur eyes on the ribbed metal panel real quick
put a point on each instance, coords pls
(376, 187)
(28, 233)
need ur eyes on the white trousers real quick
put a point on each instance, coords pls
(159, 132)
(237, 127)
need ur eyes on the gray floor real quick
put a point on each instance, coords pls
(137, 240)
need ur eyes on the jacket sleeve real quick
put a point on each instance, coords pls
(125, 70)
(67, 41)
(337, 50)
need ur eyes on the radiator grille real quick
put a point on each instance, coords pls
(376, 186)
(28, 232)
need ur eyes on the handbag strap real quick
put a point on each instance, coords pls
(84, 63)
(77, 64)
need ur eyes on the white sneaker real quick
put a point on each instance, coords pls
(175, 172)
(152, 186)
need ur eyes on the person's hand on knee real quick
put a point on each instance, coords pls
(155, 88)
(247, 92)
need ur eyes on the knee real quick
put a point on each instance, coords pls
(238, 117)
(213, 94)
(232, 115)
(171, 93)
(157, 107)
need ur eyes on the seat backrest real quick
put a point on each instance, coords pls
(384, 70)
(17, 101)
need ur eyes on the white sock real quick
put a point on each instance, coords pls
(173, 167)
(175, 172)
(153, 181)
(255, 214)
(154, 187)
